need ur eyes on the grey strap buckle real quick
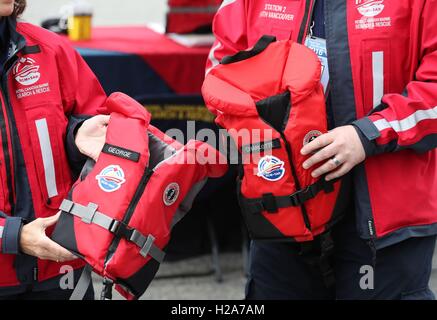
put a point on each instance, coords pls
(66, 205)
(89, 212)
(147, 246)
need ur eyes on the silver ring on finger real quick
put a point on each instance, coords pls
(336, 161)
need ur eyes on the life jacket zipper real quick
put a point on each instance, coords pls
(293, 169)
(296, 180)
(129, 212)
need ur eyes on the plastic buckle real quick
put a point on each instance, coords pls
(114, 226)
(326, 244)
(269, 203)
(328, 186)
(120, 229)
(296, 198)
(107, 289)
(299, 197)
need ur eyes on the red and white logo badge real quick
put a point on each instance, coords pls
(370, 8)
(310, 136)
(26, 71)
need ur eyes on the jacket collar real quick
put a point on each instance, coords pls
(17, 41)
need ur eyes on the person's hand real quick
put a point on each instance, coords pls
(34, 241)
(340, 150)
(91, 135)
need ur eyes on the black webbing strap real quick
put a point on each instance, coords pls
(317, 254)
(83, 284)
(271, 203)
(327, 249)
(259, 47)
(145, 243)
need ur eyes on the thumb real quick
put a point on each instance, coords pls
(103, 119)
(47, 222)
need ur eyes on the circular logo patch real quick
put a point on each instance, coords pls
(26, 71)
(310, 136)
(271, 168)
(111, 178)
(171, 194)
(370, 8)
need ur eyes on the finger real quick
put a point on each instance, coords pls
(103, 119)
(325, 168)
(56, 252)
(341, 171)
(318, 143)
(326, 153)
(49, 221)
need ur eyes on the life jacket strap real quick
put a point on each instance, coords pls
(317, 254)
(82, 284)
(89, 214)
(270, 203)
(147, 246)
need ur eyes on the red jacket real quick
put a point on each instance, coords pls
(382, 58)
(47, 88)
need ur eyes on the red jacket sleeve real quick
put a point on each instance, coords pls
(10, 230)
(409, 120)
(229, 27)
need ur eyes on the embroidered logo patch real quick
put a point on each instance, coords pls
(271, 168)
(310, 136)
(111, 178)
(171, 194)
(370, 8)
(26, 71)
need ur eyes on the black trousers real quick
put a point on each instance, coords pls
(401, 271)
(52, 294)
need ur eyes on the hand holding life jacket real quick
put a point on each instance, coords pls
(274, 91)
(121, 210)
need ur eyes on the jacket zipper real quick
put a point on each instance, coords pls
(5, 147)
(4, 132)
(129, 212)
(296, 180)
(309, 10)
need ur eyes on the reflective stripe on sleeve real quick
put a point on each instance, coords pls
(408, 122)
(47, 156)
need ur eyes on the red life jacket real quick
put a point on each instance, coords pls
(275, 90)
(191, 16)
(120, 212)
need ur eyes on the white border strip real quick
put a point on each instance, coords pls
(47, 156)
(378, 77)
(408, 122)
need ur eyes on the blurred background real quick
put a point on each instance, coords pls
(130, 51)
(107, 12)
